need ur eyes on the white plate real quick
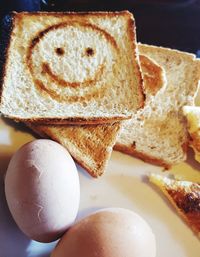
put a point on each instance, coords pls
(124, 185)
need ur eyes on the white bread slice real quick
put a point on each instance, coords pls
(184, 196)
(91, 145)
(72, 68)
(158, 133)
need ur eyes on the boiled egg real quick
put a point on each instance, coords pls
(112, 232)
(42, 189)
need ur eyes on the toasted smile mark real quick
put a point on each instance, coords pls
(63, 83)
(72, 85)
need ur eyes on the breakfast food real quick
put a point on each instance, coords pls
(42, 189)
(107, 233)
(56, 71)
(91, 145)
(64, 70)
(192, 114)
(184, 196)
(158, 133)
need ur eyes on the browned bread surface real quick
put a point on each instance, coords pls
(153, 75)
(91, 146)
(144, 157)
(184, 196)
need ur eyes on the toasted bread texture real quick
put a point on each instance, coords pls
(184, 196)
(91, 145)
(72, 68)
(158, 132)
(153, 75)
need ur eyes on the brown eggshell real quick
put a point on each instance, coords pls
(42, 189)
(111, 232)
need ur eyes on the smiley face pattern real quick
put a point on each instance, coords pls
(66, 64)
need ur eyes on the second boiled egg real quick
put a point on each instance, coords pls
(112, 232)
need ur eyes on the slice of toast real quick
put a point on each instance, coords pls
(91, 145)
(158, 133)
(184, 196)
(72, 68)
(192, 114)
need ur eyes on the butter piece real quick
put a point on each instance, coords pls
(192, 114)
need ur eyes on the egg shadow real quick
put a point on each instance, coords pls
(82, 171)
(88, 211)
(37, 249)
(4, 161)
(12, 241)
(19, 126)
(44, 255)
(131, 187)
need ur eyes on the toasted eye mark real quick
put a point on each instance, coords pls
(59, 51)
(89, 51)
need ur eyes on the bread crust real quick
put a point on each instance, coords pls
(161, 48)
(5, 57)
(144, 157)
(71, 121)
(132, 33)
(147, 158)
(95, 13)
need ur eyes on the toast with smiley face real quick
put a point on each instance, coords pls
(65, 68)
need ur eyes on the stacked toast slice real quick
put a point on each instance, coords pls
(158, 132)
(81, 79)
